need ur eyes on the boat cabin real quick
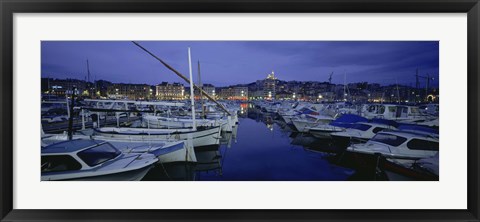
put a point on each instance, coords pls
(370, 127)
(390, 111)
(401, 144)
(76, 155)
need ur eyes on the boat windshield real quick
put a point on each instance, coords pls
(415, 110)
(391, 140)
(99, 154)
(418, 144)
(360, 126)
(57, 163)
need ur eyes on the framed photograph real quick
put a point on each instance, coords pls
(266, 110)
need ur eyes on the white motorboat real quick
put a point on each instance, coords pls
(430, 109)
(165, 151)
(92, 160)
(429, 164)
(430, 123)
(359, 132)
(323, 131)
(341, 108)
(399, 145)
(399, 113)
(303, 121)
(298, 110)
(424, 169)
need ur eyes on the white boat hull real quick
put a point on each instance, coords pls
(324, 132)
(206, 137)
(302, 125)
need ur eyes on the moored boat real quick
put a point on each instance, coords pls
(345, 121)
(202, 136)
(92, 160)
(166, 151)
(359, 132)
(401, 145)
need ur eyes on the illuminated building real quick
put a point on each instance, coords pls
(167, 91)
(269, 87)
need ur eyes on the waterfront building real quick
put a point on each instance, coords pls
(234, 93)
(326, 96)
(283, 95)
(61, 87)
(130, 91)
(257, 94)
(209, 89)
(101, 88)
(167, 91)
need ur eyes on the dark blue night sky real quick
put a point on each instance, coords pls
(236, 62)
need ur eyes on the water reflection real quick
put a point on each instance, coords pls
(260, 148)
(209, 162)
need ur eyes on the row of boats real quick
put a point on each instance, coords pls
(406, 136)
(166, 133)
(127, 153)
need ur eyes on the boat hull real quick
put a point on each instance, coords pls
(204, 137)
(342, 141)
(178, 153)
(133, 175)
(304, 125)
(323, 133)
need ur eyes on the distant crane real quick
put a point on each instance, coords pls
(330, 82)
(427, 86)
(88, 71)
(89, 87)
(330, 78)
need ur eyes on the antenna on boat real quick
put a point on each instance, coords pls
(70, 117)
(95, 84)
(192, 96)
(345, 87)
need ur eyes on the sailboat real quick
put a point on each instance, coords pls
(201, 135)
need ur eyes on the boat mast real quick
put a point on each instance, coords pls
(345, 86)
(398, 91)
(88, 80)
(201, 87)
(192, 98)
(70, 117)
(88, 72)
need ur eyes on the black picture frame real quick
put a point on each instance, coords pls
(9, 7)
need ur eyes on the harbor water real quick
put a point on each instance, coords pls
(260, 148)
